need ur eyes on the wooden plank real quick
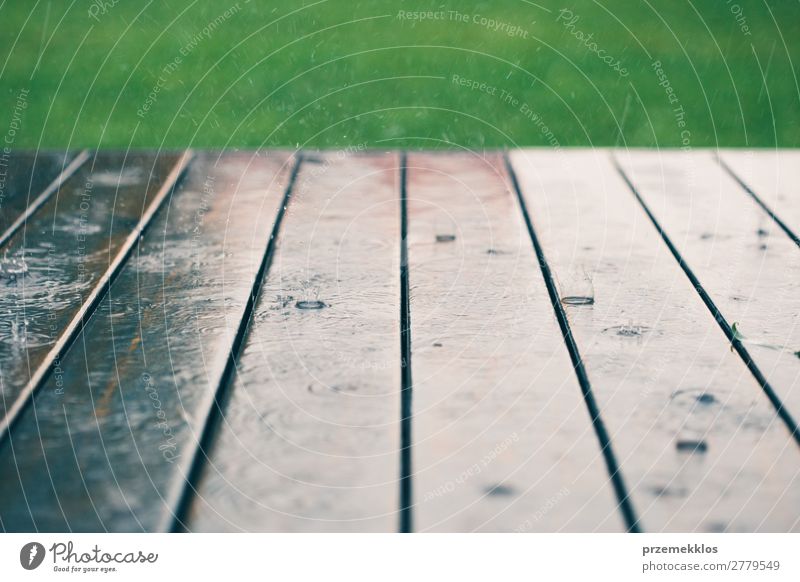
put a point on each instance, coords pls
(27, 180)
(749, 269)
(772, 177)
(105, 444)
(502, 437)
(310, 436)
(59, 264)
(699, 444)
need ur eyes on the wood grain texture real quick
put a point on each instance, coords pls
(502, 437)
(55, 262)
(699, 444)
(774, 177)
(103, 446)
(749, 267)
(310, 435)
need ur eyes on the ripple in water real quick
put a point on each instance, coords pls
(11, 268)
(18, 334)
(310, 304)
(577, 300)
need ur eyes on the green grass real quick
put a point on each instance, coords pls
(338, 73)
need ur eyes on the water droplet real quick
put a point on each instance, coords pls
(19, 331)
(577, 300)
(691, 446)
(310, 304)
(706, 398)
(445, 237)
(500, 490)
(665, 491)
(10, 268)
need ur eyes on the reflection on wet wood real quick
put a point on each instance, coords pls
(502, 438)
(746, 264)
(310, 437)
(59, 264)
(104, 445)
(700, 446)
(27, 180)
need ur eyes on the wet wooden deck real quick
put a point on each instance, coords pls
(574, 340)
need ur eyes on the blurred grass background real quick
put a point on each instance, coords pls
(335, 73)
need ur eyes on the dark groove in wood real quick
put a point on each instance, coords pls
(736, 344)
(200, 455)
(54, 186)
(406, 392)
(784, 227)
(76, 325)
(620, 489)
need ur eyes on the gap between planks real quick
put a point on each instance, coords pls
(406, 524)
(612, 464)
(727, 329)
(752, 193)
(181, 497)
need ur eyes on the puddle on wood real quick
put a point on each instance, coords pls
(691, 446)
(445, 238)
(577, 300)
(310, 304)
